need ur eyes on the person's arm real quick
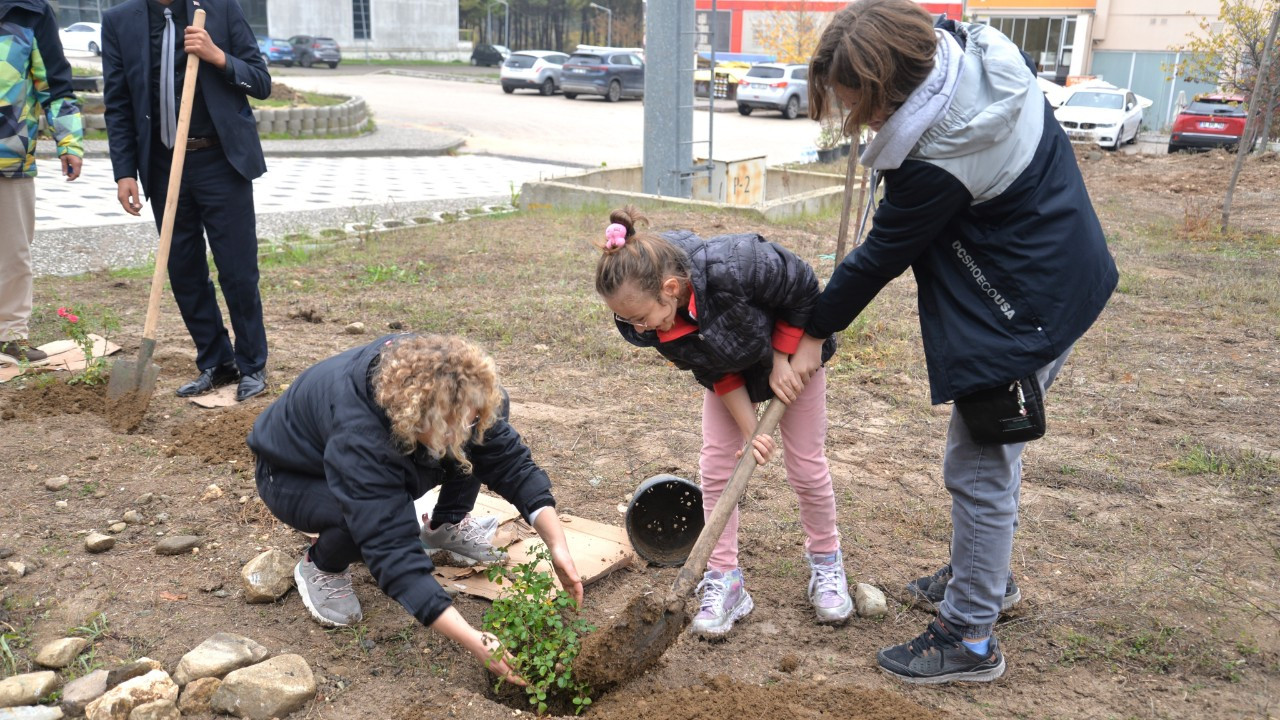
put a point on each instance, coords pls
(738, 403)
(481, 645)
(547, 523)
(241, 62)
(51, 77)
(122, 141)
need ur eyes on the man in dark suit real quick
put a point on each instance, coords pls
(144, 54)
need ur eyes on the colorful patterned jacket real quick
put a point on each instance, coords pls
(35, 79)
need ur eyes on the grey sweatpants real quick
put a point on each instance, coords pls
(985, 482)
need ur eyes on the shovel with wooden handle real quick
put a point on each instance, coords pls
(650, 623)
(134, 381)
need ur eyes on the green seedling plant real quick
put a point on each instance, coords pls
(540, 628)
(77, 327)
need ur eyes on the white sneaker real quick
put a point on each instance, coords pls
(724, 601)
(469, 542)
(828, 587)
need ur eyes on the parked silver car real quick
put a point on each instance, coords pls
(533, 70)
(775, 86)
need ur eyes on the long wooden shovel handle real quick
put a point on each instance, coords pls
(175, 185)
(691, 573)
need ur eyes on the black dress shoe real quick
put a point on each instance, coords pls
(209, 380)
(251, 384)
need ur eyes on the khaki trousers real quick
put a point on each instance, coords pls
(17, 228)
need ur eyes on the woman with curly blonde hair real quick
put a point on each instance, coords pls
(357, 437)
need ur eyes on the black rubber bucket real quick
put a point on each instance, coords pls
(664, 519)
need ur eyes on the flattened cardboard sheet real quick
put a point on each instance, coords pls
(63, 355)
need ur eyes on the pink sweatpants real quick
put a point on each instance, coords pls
(804, 435)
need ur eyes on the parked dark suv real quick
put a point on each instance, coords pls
(309, 50)
(613, 73)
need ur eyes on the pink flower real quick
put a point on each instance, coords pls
(72, 318)
(62, 312)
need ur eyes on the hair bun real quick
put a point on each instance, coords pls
(628, 217)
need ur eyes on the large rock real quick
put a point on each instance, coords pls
(270, 689)
(217, 656)
(31, 712)
(120, 700)
(117, 674)
(96, 542)
(156, 710)
(27, 689)
(60, 653)
(870, 601)
(83, 690)
(267, 577)
(196, 695)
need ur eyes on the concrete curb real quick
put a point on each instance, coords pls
(447, 149)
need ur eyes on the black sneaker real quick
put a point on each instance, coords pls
(939, 655)
(929, 590)
(19, 351)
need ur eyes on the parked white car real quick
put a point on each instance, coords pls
(1106, 116)
(82, 36)
(532, 69)
(775, 86)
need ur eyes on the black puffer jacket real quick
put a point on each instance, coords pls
(742, 285)
(328, 425)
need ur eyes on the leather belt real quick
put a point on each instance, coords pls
(200, 143)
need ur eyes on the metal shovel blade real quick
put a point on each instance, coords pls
(130, 389)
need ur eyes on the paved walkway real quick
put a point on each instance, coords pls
(384, 142)
(80, 225)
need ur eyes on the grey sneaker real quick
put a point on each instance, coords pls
(939, 655)
(930, 589)
(724, 601)
(328, 596)
(18, 351)
(828, 587)
(469, 542)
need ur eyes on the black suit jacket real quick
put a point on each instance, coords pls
(126, 69)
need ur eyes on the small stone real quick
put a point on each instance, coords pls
(31, 712)
(267, 577)
(83, 690)
(17, 567)
(395, 325)
(355, 328)
(133, 517)
(156, 710)
(57, 483)
(217, 656)
(118, 527)
(162, 517)
(145, 499)
(221, 594)
(97, 542)
(270, 689)
(61, 504)
(122, 699)
(27, 689)
(177, 545)
(195, 696)
(870, 601)
(213, 492)
(60, 653)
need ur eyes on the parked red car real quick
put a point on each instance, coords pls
(1209, 121)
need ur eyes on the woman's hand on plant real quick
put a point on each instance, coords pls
(497, 659)
(784, 381)
(567, 572)
(762, 447)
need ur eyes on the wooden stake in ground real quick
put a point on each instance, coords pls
(1250, 130)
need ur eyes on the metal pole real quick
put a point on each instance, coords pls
(609, 30)
(668, 98)
(506, 26)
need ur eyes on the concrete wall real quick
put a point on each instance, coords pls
(1150, 25)
(402, 27)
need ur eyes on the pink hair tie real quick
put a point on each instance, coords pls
(615, 236)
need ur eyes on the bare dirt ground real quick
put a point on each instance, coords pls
(1148, 552)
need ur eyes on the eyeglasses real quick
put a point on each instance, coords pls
(625, 321)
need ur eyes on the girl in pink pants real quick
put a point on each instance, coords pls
(731, 310)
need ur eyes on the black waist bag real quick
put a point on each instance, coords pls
(1009, 413)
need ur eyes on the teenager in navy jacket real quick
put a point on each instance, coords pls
(346, 450)
(984, 202)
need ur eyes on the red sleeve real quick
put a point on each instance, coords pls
(786, 337)
(729, 383)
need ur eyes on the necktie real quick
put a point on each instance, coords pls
(168, 115)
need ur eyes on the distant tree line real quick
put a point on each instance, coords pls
(553, 24)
